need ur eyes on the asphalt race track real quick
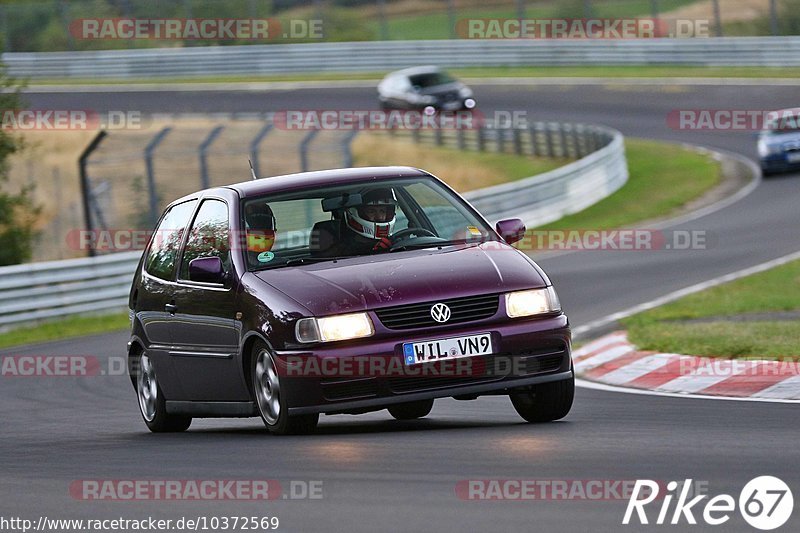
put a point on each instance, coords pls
(380, 474)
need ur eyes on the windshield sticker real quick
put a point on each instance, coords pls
(475, 232)
(265, 257)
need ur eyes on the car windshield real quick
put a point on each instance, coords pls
(431, 79)
(317, 224)
(783, 123)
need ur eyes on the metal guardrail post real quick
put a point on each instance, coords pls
(534, 141)
(462, 142)
(415, 134)
(517, 141)
(254, 147)
(437, 135)
(717, 18)
(304, 149)
(773, 17)
(85, 193)
(384, 27)
(548, 128)
(654, 8)
(520, 9)
(4, 27)
(481, 139)
(451, 17)
(151, 179)
(501, 140)
(347, 145)
(205, 181)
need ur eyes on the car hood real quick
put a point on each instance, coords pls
(791, 139)
(372, 282)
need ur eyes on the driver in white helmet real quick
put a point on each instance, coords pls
(369, 225)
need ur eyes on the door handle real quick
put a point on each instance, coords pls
(170, 308)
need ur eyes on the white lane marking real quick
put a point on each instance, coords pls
(789, 387)
(644, 392)
(603, 357)
(675, 295)
(637, 369)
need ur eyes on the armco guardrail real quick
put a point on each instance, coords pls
(75, 286)
(600, 169)
(61, 288)
(378, 56)
(547, 197)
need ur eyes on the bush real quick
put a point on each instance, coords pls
(18, 212)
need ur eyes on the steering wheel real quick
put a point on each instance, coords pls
(403, 233)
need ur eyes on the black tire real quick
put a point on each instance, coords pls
(271, 403)
(411, 410)
(152, 405)
(545, 402)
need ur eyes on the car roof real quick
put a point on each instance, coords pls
(338, 176)
(413, 71)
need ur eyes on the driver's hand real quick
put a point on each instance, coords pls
(382, 245)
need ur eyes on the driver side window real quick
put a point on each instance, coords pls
(208, 236)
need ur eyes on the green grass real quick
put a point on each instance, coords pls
(438, 25)
(663, 178)
(472, 73)
(77, 326)
(775, 290)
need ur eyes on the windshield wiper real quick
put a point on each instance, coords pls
(312, 260)
(423, 245)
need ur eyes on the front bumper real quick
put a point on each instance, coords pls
(778, 163)
(372, 374)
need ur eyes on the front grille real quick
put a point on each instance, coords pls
(419, 315)
(349, 389)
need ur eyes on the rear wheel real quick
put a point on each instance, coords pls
(151, 401)
(545, 402)
(411, 410)
(269, 399)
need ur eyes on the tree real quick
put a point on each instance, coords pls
(18, 212)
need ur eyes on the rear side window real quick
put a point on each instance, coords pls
(209, 236)
(167, 239)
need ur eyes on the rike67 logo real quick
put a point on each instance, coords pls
(765, 503)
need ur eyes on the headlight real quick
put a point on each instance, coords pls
(532, 302)
(765, 148)
(334, 328)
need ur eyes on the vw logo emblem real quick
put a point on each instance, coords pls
(440, 313)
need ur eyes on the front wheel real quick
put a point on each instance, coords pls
(545, 402)
(151, 401)
(411, 410)
(271, 402)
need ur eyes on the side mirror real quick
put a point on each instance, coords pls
(511, 230)
(206, 270)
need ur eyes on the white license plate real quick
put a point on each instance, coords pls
(793, 157)
(452, 348)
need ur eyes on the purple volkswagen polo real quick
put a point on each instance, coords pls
(340, 292)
